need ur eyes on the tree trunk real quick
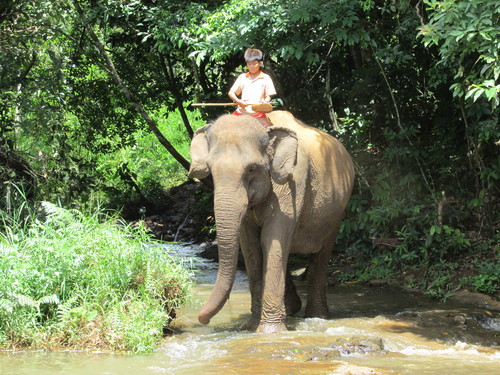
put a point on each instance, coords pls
(10, 160)
(109, 67)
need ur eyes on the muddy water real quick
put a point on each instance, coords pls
(372, 331)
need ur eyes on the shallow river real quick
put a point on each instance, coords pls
(372, 331)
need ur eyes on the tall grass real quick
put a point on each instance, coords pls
(82, 280)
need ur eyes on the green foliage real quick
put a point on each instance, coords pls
(412, 91)
(444, 241)
(77, 278)
(71, 111)
(378, 268)
(485, 277)
(467, 35)
(144, 172)
(439, 288)
(352, 133)
(488, 279)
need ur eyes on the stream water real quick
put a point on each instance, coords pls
(373, 330)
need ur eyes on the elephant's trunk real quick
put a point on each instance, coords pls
(228, 216)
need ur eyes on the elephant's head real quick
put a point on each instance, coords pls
(242, 157)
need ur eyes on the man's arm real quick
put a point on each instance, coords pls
(270, 90)
(235, 91)
(234, 98)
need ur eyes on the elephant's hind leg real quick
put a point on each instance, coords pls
(293, 304)
(317, 306)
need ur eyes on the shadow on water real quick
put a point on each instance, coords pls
(373, 330)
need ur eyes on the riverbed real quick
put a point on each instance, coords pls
(373, 330)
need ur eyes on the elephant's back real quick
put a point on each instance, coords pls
(329, 178)
(324, 152)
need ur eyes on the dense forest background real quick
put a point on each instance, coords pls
(95, 107)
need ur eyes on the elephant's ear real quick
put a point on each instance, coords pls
(283, 148)
(199, 154)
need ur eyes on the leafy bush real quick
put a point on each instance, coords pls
(378, 268)
(443, 241)
(467, 35)
(488, 279)
(84, 280)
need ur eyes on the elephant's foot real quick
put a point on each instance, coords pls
(253, 324)
(271, 328)
(317, 312)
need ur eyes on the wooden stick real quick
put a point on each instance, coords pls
(259, 107)
(225, 104)
(211, 104)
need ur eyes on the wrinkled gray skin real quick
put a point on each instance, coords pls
(277, 191)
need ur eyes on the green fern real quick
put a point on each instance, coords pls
(26, 301)
(58, 215)
(149, 282)
(64, 309)
(116, 322)
(6, 250)
(6, 305)
(49, 300)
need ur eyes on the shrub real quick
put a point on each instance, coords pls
(85, 280)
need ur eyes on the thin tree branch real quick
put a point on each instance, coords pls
(328, 96)
(170, 76)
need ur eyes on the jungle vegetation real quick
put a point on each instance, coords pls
(95, 107)
(84, 280)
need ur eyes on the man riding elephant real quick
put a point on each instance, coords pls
(277, 191)
(255, 86)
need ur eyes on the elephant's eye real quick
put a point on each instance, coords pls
(251, 168)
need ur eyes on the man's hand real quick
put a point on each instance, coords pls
(241, 103)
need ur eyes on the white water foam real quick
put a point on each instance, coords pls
(460, 349)
(188, 352)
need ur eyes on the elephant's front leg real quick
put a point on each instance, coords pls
(252, 253)
(275, 250)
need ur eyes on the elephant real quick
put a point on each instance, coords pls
(277, 191)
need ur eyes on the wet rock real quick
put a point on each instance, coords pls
(321, 354)
(377, 283)
(210, 251)
(340, 347)
(476, 299)
(460, 319)
(315, 354)
(488, 321)
(451, 326)
(358, 345)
